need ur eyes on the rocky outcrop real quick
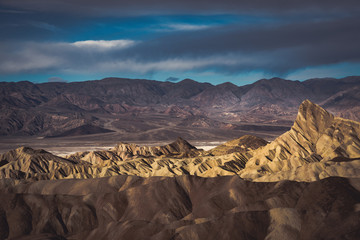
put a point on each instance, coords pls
(129, 159)
(125, 151)
(240, 145)
(316, 136)
(179, 148)
(27, 163)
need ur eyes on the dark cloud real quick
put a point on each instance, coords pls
(136, 7)
(298, 34)
(273, 47)
(172, 79)
(56, 79)
(276, 48)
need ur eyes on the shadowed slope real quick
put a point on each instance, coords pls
(186, 207)
(86, 129)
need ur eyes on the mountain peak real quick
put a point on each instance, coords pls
(309, 109)
(312, 120)
(227, 85)
(180, 139)
(271, 80)
(29, 150)
(187, 80)
(181, 145)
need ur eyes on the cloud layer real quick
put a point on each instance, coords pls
(141, 7)
(275, 48)
(278, 37)
(102, 45)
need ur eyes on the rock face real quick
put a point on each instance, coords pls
(315, 139)
(183, 207)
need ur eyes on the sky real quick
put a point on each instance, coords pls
(209, 41)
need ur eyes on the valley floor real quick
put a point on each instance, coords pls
(70, 145)
(104, 141)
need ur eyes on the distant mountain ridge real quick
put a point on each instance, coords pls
(49, 109)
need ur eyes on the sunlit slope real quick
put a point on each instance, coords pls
(317, 146)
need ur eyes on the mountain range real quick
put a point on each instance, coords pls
(302, 185)
(153, 110)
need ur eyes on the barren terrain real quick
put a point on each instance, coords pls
(251, 180)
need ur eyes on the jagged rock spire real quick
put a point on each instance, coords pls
(312, 120)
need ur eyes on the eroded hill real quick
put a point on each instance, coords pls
(317, 146)
(183, 207)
